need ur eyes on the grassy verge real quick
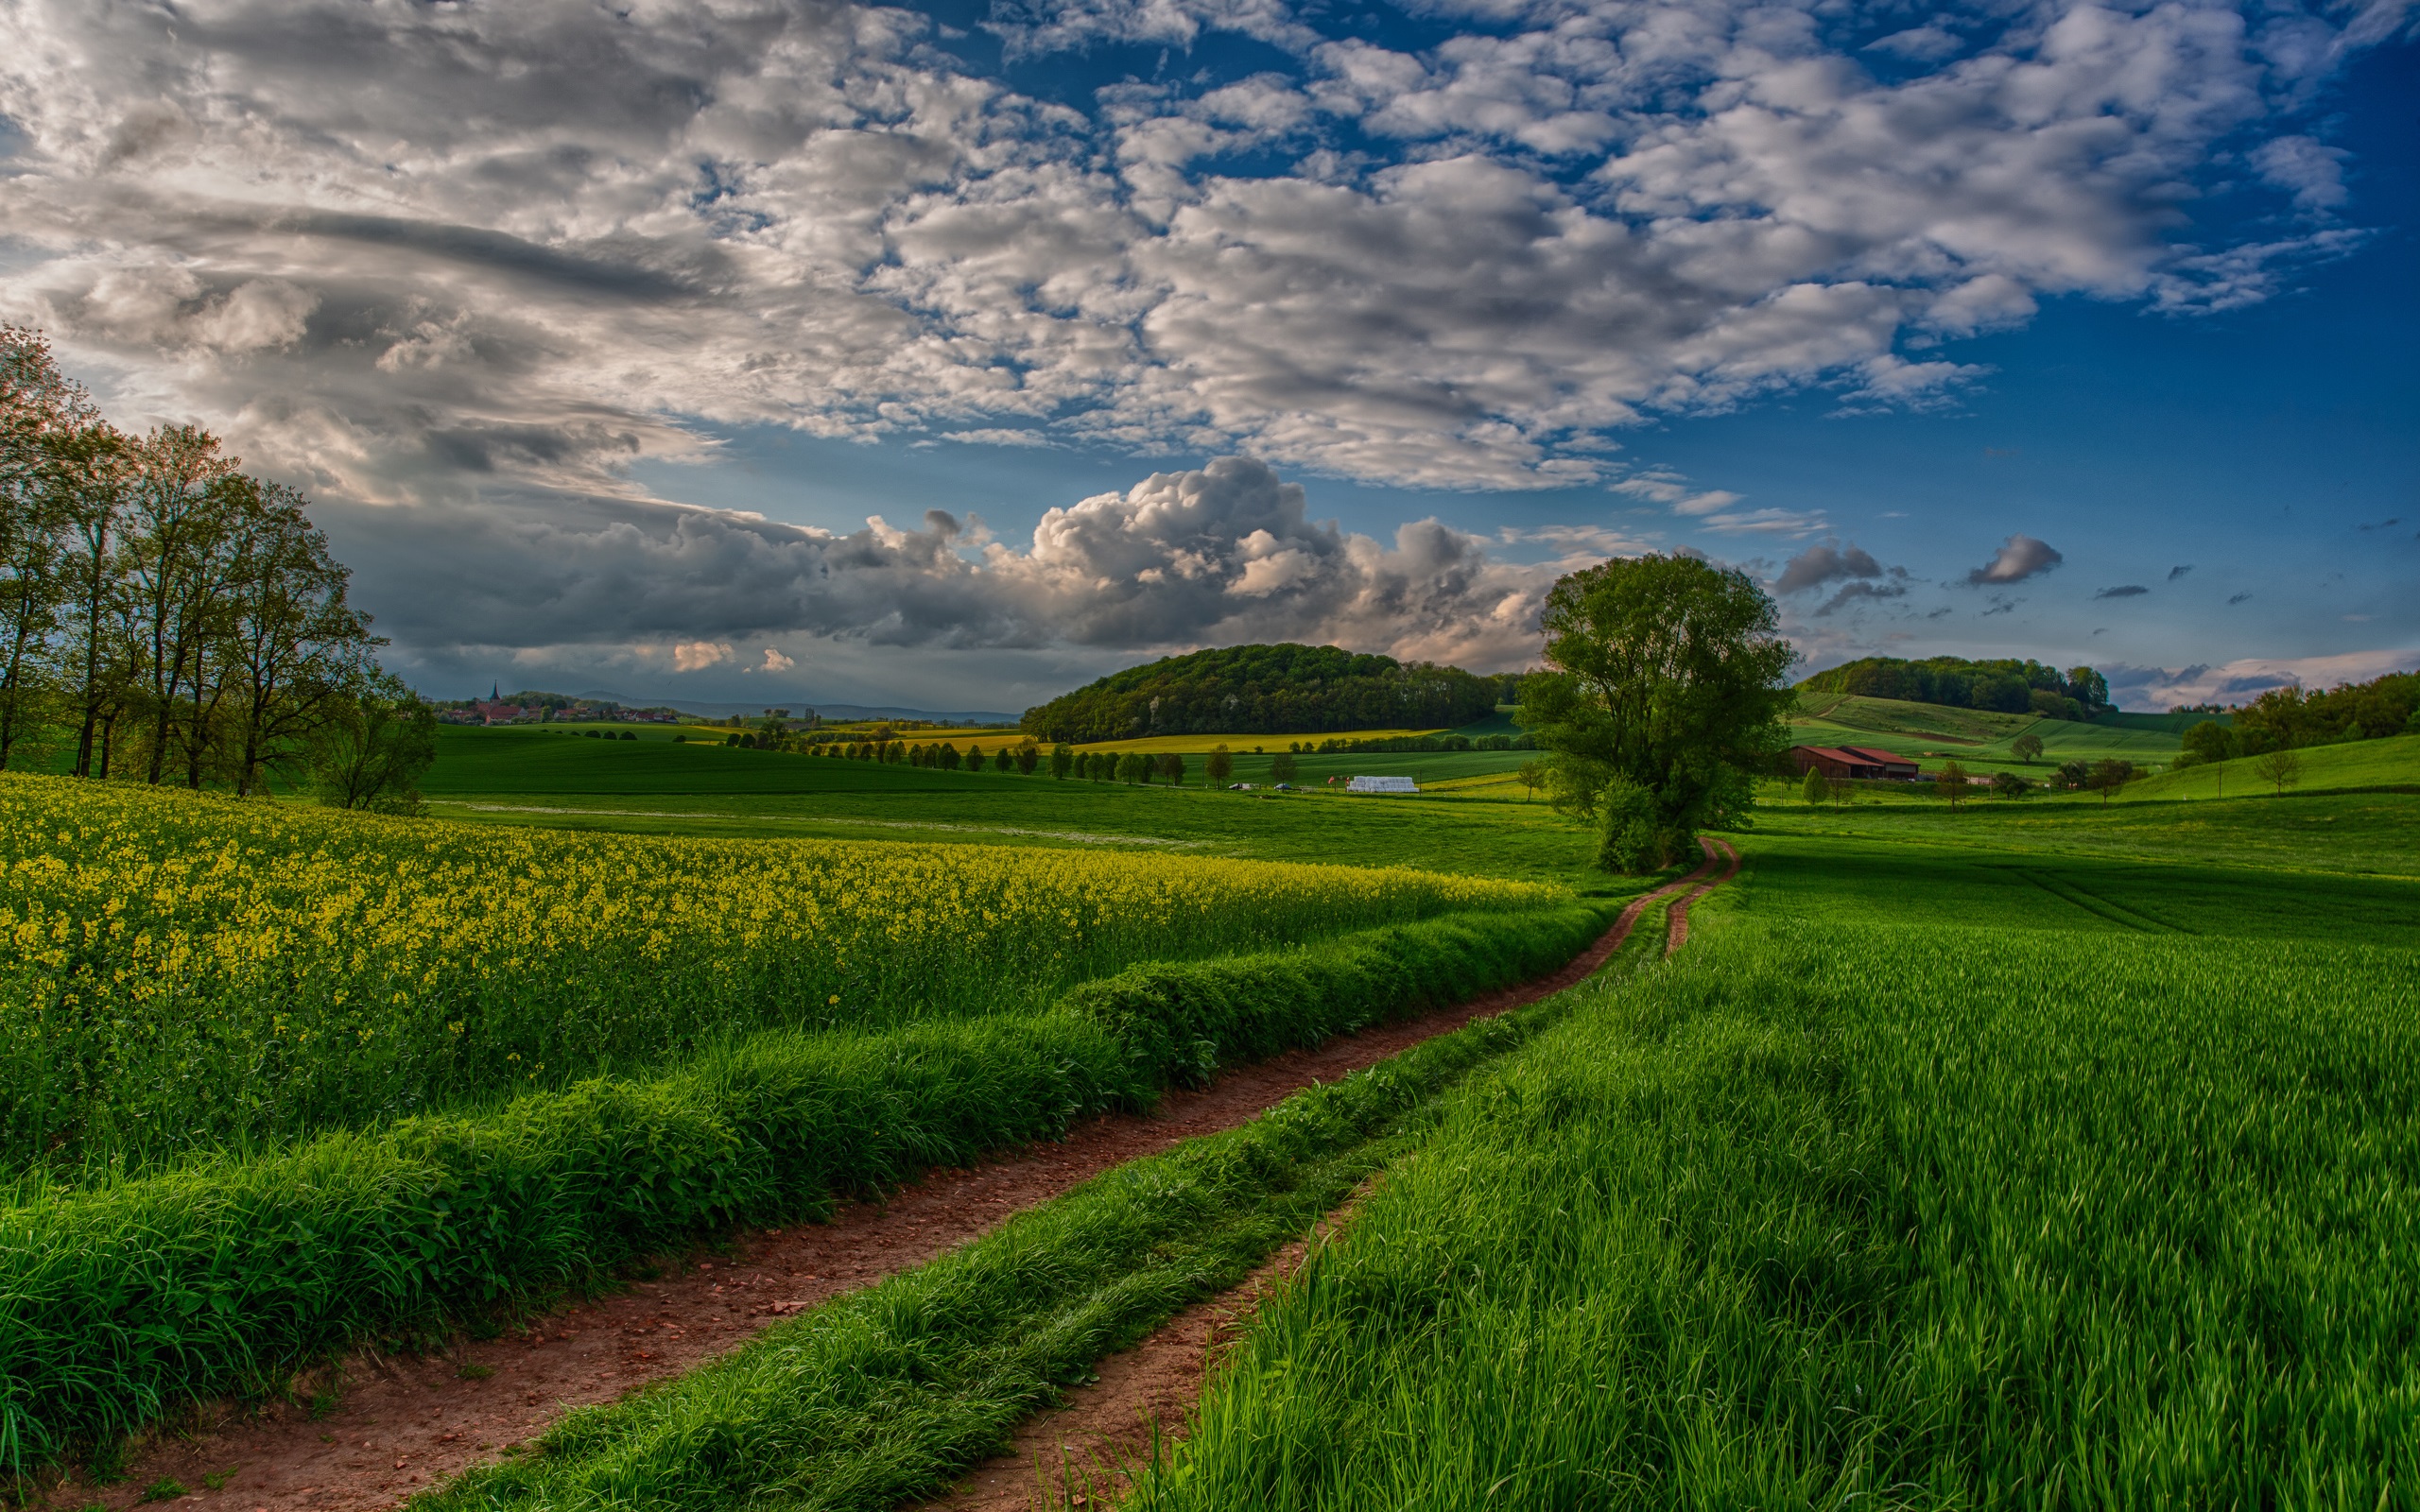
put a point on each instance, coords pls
(1836, 1214)
(119, 1300)
(890, 1394)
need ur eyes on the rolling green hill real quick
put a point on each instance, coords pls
(1977, 738)
(2393, 762)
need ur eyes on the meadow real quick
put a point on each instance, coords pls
(189, 973)
(1930, 1175)
(512, 777)
(2040, 1151)
(1981, 740)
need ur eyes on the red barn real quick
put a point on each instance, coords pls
(1842, 763)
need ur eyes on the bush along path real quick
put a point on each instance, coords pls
(1079, 1452)
(287, 1259)
(888, 1394)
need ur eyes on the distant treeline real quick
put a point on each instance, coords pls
(2288, 717)
(2004, 686)
(1243, 690)
(1381, 744)
(168, 618)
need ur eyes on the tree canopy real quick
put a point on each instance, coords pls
(1282, 689)
(164, 617)
(1662, 692)
(2285, 717)
(2007, 686)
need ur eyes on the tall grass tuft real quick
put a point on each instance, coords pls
(1841, 1216)
(225, 1276)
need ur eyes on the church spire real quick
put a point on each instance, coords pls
(495, 692)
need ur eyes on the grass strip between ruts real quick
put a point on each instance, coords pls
(1834, 1214)
(119, 1302)
(889, 1392)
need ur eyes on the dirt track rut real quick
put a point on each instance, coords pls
(1075, 1454)
(404, 1424)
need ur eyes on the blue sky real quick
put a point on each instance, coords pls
(1193, 321)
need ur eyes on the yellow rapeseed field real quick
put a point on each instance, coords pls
(187, 970)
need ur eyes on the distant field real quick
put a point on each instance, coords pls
(2393, 762)
(1977, 739)
(654, 787)
(1199, 745)
(1949, 1168)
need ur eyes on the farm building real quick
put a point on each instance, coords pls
(1382, 784)
(1853, 762)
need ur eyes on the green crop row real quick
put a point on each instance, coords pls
(885, 1396)
(1830, 1214)
(186, 973)
(224, 1276)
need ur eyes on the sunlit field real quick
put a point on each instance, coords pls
(189, 971)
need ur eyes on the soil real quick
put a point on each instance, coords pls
(1079, 1454)
(399, 1425)
(1677, 930)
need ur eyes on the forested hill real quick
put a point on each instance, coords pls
(2009, 687)
(1249, 690)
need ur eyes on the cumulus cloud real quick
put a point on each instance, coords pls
(1219, 553)
(2160, 688)
(1825, 563)
(775, 662)
(411, 253)
(2018, 558)
(1862, 593)
(2124, 591)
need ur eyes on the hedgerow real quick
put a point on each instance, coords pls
(228, 1275)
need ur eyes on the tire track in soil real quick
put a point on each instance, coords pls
(1078, 1455)
(1677, 930)
(405, 1424)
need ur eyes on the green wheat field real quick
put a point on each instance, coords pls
(2043, 1152)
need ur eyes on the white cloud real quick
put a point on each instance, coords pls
(2019, 558)
(1220, 554)
(775, 662)
(2313, 172)
(2238, 681)
(412, 252)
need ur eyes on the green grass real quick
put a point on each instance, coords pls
(1840, 1211)
(190, 972)
(119, 1301)
(1980, 739)
(2363, 832)
(511, 777)
(888, 1395)
(2392, 761)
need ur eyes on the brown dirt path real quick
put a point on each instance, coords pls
(1078, 1455)
(1677, 931)
(404, 1424)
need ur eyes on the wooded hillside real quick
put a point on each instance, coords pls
(2006, 685)
(1282, 689)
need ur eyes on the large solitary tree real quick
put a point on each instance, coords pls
(1663, 693)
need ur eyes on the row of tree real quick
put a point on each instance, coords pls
(2285, 718)
(168, 618)
(1269, 689)
(2005, 686)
